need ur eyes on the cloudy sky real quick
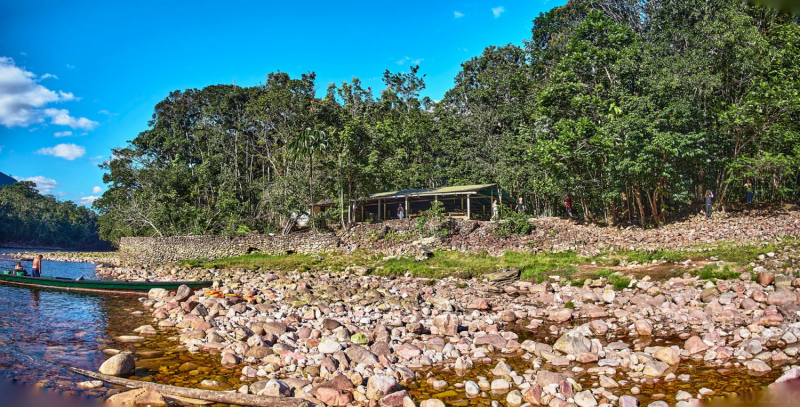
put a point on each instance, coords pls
(80, 78)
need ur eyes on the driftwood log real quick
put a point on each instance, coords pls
(198, 394)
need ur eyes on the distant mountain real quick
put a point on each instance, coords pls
(6, 180)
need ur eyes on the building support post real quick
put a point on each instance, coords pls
(408, 209)
(468, 208)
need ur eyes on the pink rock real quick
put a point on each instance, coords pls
(695, 345)
(394, 399)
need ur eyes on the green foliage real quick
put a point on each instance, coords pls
(712, 272)
(432, 221)
(614, 277)
(27, 217)
(632, 108)
(569, 305)
(512, 223)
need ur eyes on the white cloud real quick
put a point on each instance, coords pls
(23, 53)
(107, 113)
(457, 14)
(61, 117)
(87, 200)
(97, 190)
(62, 133)
(497, 11)
(43, 184)
(65, 151)
(70, 66)
(47, 75)
(409, 59)
(22, 99)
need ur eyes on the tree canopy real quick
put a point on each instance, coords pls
(29, 218)
(634, 108)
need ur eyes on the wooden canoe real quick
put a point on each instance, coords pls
(116, 286)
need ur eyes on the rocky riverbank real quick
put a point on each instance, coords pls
(350, 338)
(104, 258)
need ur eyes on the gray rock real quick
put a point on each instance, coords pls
(117, 365)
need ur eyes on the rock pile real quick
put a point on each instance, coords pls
(343, 338)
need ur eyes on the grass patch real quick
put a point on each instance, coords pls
(712, 272)
(614, 277)
(535, 267)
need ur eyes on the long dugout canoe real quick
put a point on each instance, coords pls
(115, 286)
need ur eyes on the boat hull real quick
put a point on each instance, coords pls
(131, 287)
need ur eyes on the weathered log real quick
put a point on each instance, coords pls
(198, 394)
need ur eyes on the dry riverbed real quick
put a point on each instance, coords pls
(351, 338)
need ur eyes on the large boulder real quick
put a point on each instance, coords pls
(183, 293)
(573, 343)
(378, 386)
(361, 355)
(157, 293)
(447, 324)
(118, 365)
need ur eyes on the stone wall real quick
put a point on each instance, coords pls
(167, 250)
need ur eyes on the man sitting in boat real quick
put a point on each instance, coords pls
(19, 267)
(36, 269)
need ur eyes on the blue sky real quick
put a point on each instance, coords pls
(80, 78)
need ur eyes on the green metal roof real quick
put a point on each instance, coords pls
(484, 189)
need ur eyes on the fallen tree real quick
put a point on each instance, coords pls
(199, 394)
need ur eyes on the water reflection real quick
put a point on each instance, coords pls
(43, 328)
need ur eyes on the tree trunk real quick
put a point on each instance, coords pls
(637, 194)
(209, 395)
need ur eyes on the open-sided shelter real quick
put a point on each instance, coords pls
(467, 201)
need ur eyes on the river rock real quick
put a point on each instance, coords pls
(695, 345)
(585, 399)
(573, 343)
(503, 277)
(655, 369)
(329, 346)
(157, 293)
(276, 388)
(378, 386)
(361, 355)
(118, 365)
(782, 297)
(183, 293)
(447, 324)
(138, 397)
(668, 356)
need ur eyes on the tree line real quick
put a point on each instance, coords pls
(31, 219)
(634, 108)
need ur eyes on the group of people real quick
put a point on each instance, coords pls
(36, 267)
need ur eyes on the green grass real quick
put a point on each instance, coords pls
(535, 267)
(712, 272)
(614, 277)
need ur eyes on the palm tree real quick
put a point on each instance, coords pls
(310, 143)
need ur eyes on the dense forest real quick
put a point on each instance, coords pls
(635, 108)
(31, 219)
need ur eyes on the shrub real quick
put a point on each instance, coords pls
(569, 305)
(512, 223)
(432, 221)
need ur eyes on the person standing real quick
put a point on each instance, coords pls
(520, 207)
(709, 202)
(36, 268)
(748, 187)
(494, 209)
(568, 202)
(401, 213)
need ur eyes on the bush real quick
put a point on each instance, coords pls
(321, 220)
(432, 221)
(569, 305)
(512, 223)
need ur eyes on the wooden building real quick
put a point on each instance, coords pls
(467, 201)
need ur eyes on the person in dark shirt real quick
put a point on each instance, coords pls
(709, 202)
